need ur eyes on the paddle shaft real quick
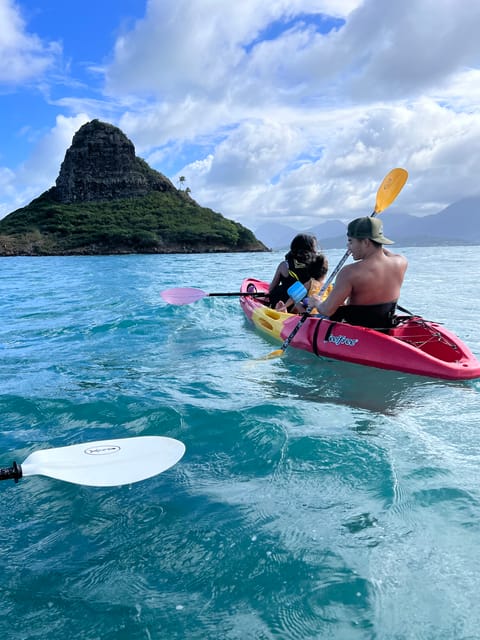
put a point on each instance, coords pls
(253, 294)
(187, 295)
(334, 273)
(11, 473)
(297, 328)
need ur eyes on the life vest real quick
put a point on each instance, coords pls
(314, 290)
(297, 271)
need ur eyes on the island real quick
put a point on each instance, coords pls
(106, 200)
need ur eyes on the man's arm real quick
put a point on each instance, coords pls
(341, 291)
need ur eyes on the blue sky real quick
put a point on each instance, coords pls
(288, 110)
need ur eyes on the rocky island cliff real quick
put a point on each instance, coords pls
(106, 200)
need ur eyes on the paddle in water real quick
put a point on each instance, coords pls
(187, 295)
(391, 186)
(103, 463)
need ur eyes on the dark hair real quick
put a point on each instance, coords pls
(318, 267)
(304, 247)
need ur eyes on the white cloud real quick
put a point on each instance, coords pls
(190, 48)
(41, 169)
(360, 147)
(405, 48)
(23, 56)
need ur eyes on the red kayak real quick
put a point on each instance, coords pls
(415, 345)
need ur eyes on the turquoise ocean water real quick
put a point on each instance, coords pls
(315, 499)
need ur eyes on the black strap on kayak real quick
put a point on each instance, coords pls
(329, 331)
(315, 336)
(404, 310)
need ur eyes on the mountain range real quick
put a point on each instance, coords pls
(457, 224)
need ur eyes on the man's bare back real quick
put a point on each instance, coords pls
(375, 278)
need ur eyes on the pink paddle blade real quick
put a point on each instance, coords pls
(182, 295)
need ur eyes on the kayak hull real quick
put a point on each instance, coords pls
(415, 346)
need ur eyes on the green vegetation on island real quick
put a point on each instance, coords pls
(160, 222)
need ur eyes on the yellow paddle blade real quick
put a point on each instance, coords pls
(390, 188)
(278, 353)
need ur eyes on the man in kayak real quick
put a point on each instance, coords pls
(366, 292)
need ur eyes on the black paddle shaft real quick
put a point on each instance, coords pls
(297, 328)
(11, 473)
(251, 294)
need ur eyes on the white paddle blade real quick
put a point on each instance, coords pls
(182, 295)
(106, 463)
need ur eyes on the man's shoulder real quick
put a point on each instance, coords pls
(397, 256)
(349, 270)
